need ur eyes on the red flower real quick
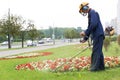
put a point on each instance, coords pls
(69, 64)
(66, 67)
(45, 53)
(25, 66)
(53, 66)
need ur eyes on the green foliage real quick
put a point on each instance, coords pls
(60, 32)
(118, 40)
(3, 38)
(114, 38)
(11, 26)
(32, 31)
(71, 33)
(41, 34)
(48, 32)
(106, 43)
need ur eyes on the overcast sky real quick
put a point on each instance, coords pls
(58, 13)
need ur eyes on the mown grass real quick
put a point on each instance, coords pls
(8, 72)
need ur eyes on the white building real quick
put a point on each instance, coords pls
(114, 24)
(118, 17)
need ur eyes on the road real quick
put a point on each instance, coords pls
(42, 47)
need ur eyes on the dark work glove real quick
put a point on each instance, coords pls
(82, 41)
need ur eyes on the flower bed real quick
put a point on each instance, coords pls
(27, 55)
(76, 64)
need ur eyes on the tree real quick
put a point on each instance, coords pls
(32, 31)
(49, 32)
(79, 29)
(70, 33)
(60, 32)
(10, 26)
(41, 34)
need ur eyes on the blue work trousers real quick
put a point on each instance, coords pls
(97, 57)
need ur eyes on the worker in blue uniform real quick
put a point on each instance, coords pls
(95, 30)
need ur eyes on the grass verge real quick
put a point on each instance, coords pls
(8, 72)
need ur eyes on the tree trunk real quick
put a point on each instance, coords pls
(9, 42)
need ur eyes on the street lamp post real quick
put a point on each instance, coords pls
(53, 36)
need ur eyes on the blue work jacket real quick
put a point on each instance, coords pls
(95, 28)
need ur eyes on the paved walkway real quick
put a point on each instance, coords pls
(18, 51)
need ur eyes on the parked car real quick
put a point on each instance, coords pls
(41, 42)
(4, 43)
(49, 40)
(30, 43)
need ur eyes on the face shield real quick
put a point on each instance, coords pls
(82, 13)
(83, 10)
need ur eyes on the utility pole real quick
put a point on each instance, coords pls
(53, 35)
(9, 37)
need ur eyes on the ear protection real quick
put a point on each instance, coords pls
(85, 8)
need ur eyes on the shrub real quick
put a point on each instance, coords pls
(114, 38)
(118, 40)
(106, 43)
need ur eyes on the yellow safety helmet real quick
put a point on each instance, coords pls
(82, 5)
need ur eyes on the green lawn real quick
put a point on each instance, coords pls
(8, 72)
